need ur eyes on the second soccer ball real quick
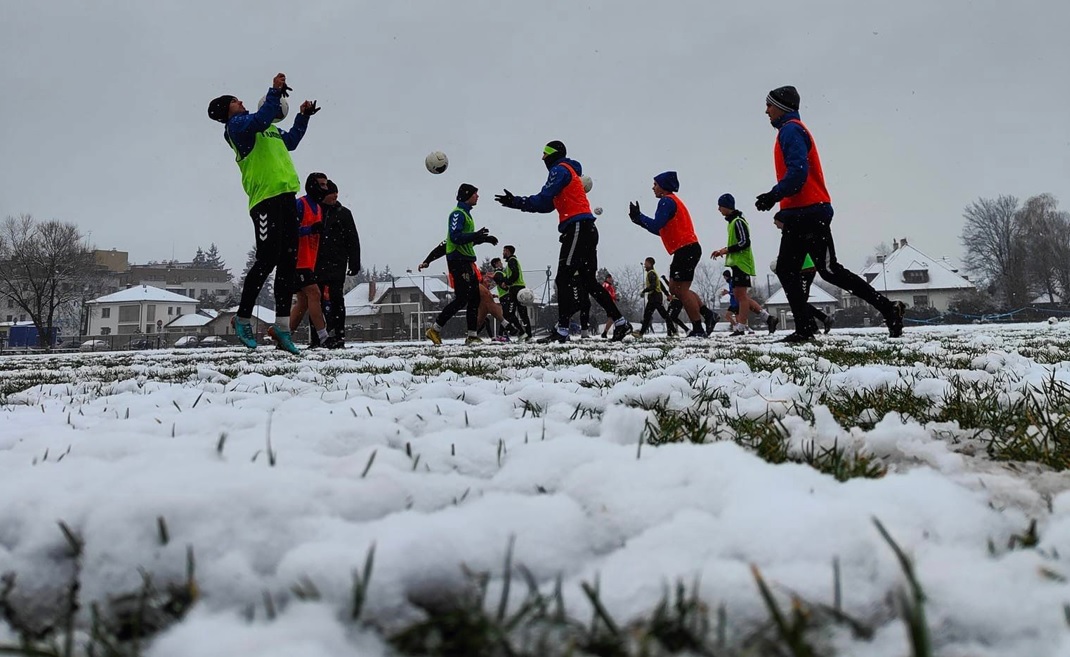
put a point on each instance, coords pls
(436, 162)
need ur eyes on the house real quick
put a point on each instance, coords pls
(401, 307)
(142, 309)
(777, 305)
(1047, 300)
(918, 280)
(221, 323)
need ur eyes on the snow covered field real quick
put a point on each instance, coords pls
(627, 468)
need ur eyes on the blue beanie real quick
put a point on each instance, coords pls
(668, 181)
(727, 201)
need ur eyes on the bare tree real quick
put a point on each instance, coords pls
(995, 251)
(45, 268)
(1046, 234)
(880, 250)
(629, 282)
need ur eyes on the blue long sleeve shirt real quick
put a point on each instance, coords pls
(665, 212)
(795, 145)
(241, 129)
(556, 181)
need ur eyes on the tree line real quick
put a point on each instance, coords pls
(1015, 252)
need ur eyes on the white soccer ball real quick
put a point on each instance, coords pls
(772, 266)
(598, 210)
(284, 108)
(436, 162)
(588, 184)
(526, 297)
(1053, 320)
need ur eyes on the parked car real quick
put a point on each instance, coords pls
(70, 344)
(142, 343)
(94, 345)
(212, 341)
(186, 341)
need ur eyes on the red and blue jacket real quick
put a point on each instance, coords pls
(563, 193)
(675, 235)
(800, 179)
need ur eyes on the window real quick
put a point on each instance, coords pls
(178, 310)
(129, 314)
(204, 293)
(105, 330)
(170, 310)
(22, 318)
(921, 301)
(10, 317)
(414, 297)
(916, 276)
(150, 313)
(10, 303)
(191, 293)
(105, 313)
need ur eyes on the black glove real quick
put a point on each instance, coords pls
(766, 201)
(316, 228)
(498, 278)
(285, 91)
(311, 109)
(353, 271)
(634, 212)
(507, 199)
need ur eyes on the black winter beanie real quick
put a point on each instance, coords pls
(553, 153)
(786, 98)
(465, 191)
(312, 188)
(219, 108)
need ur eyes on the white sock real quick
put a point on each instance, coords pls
(322, 334)
(436, 327)
(471, 334)
(620, 321)
(764, 315)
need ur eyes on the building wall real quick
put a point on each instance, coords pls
(134, 317)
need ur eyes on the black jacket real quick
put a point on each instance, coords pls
(339, 251)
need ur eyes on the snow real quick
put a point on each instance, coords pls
(542, 446)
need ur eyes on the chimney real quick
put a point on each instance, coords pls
(880, 258)
(903, 242)
(371, 291)
(895, 244)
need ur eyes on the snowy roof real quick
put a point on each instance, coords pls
(1044, 298)
(432, 288)
(817, 296)
(892, 276)
(192, 320)
(263, 314)
(143, 293)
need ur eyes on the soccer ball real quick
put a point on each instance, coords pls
(436, 162)
(772, 266)
(526, 297)
(284, 108)
(588, 184)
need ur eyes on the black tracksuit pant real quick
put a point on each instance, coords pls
(577, 265)
(514, 311)
(808, 230)
(808, 280)
(654, 304)
(275, 227)
(466, 291)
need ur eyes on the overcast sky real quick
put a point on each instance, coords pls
(918, 107)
